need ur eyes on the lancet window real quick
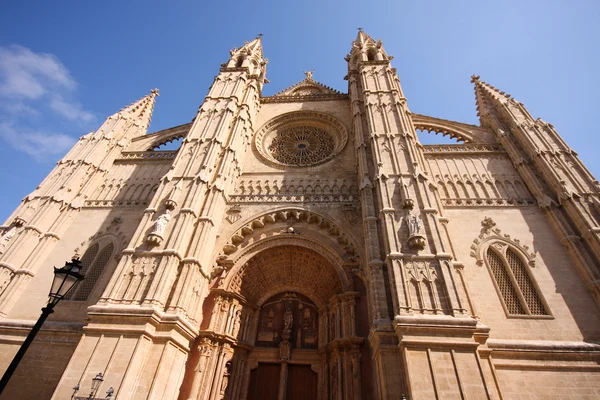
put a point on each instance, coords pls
(94, 261)
(514, 282)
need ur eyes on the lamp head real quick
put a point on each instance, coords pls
(65, 279)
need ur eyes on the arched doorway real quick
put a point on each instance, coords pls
(282, 326)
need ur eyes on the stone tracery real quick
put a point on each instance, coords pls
(301, 139)
(302, 146)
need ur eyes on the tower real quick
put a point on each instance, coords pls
(307, 245)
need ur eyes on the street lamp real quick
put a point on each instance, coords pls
(65, 279)
(96, 382)
(75, 390)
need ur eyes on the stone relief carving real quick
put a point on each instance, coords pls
(296, 216)
(296, 190)
(234, 213)
(426, 287)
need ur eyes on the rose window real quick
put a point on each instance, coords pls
(300, 139)
(302, 145)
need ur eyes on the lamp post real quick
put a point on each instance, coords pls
(75, 390)
(65, 279)
(96, 382)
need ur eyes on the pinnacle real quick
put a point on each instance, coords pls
(362, 38)
(255, 45)
(141, 109)
(487, 96)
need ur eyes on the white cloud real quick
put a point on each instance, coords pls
(71, 111)
(36, 89)
(30, 75)
(39, 145)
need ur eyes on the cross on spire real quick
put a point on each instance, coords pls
(359, 29)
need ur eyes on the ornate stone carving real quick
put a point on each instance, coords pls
(301, 139)
(489, 233)
(296, 190)
(302, 146)
(416, 241)
(234, 213)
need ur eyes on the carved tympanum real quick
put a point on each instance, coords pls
(288, 317)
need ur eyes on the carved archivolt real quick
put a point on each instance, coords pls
(301, 139)
(286, 268)
(490, 235)
(319, 222)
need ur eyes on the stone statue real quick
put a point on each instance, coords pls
(160, 224)
(309, 74)
(414, 225)
(288, 319)
(237, 323)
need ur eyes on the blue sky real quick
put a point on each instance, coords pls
(66, 66)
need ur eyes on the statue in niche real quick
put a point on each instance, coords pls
(416, 241)
(414, 225)
(288, 319)
(160, 224)
(236, 323)
(226, 375)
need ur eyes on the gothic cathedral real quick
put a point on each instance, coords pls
(307, 246)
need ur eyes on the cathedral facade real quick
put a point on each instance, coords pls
(306, 245)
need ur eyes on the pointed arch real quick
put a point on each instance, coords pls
(509, 264)
(94, 261)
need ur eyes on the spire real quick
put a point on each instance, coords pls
(141, 110)
(365, 48)
(362, 39)
(241, 57)
(487, 96)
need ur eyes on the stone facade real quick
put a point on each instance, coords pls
(307, 245)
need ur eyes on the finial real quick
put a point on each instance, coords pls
(309, 74)
(359, 29)
(155, 91)
(259, 35)
(474, 78)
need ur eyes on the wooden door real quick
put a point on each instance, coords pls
(264, 382)
(301, 383)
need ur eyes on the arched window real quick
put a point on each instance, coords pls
(93, 261)
(371, 54)
(514, 282)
